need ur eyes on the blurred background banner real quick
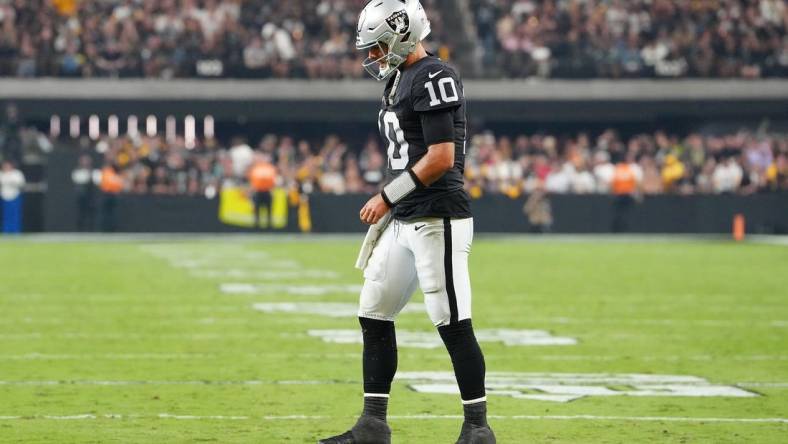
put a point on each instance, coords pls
(585, 117)
(236, 208)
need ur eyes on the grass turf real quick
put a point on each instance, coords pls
(85, 315)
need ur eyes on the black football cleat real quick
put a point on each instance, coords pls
(471, 434)
(368, 430)
(345, 438)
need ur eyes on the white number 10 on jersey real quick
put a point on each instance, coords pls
(445, 96)
(398, 146)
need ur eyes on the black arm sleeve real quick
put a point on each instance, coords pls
(438, 126)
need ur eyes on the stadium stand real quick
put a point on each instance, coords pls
(695, 163)
(180, 38)
(634, 38)
(313, 38)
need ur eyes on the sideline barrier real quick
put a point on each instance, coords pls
(765, 214)
(701, 214)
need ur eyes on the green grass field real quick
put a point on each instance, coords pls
(135, 342)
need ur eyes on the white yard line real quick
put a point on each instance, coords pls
(158, 322)
(207, 261)
(140, 308)
(769, 240)
(762, 384)
(292, 417)
(209, 264)
(288, 289)
(110, 356)
(82, 417)
(630, 321)
(210, 417)
(603, 418)
(186, 356)
(671, 358)
(253, 382)
(263, 273)
(207, 383)
(167, 356)
(129, 336)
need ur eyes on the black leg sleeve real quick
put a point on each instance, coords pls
(380, 355)
(467, 358)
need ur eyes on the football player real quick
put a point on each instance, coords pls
(428, 238)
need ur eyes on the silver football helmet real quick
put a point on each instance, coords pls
(396, 27)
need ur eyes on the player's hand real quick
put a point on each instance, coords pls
(373, 210)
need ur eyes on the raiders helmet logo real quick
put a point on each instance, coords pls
(399, 22)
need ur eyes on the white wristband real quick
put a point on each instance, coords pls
(400, 187)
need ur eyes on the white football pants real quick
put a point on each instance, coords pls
(432, 252)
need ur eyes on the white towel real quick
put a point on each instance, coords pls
(373, 234)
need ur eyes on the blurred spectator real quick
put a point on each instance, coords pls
(559, 180)
(242, 156)
(626, 186)
(672, 172)
(583, 181)
(778, 173)
(372, 164)
(85, 178)
(333, 154)
(111, 185)
(627, 177)
(603, 171)
(10, 135)
(539, 211)
(262, 178)
(727, 176)
(652, 180)
(20, 142)
(11, 183)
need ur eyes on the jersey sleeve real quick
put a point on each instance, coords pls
(438, 126)
(437, 87)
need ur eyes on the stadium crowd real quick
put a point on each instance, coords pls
(314, 38)
(659, 163)
(634, 38)
(180, 38)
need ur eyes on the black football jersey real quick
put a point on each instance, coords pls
(429, 85)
